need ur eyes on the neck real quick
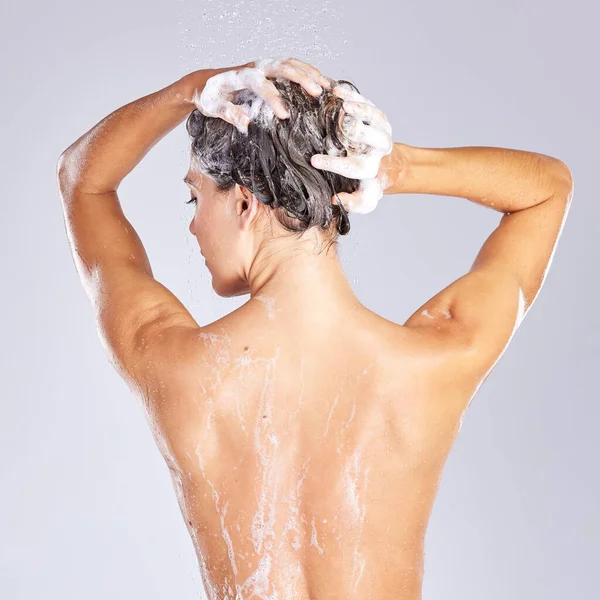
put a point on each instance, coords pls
(300, 276)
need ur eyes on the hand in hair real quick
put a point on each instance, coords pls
(216, 97)
(363, 124)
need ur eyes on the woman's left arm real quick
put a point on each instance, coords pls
(133, 310)
(101, 158)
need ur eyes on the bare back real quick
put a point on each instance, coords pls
(307, 450)
(306, 463)
(307, 458)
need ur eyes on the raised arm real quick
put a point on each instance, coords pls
(481, 310)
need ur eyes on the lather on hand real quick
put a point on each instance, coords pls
(216, 97)
(363, 123)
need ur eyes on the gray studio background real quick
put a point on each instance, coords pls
(86, 504)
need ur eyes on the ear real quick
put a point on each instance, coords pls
(246, 204)
(243, 197)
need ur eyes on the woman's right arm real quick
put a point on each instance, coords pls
(481, 310)
(498, 178)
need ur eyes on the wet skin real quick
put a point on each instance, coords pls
(306, 439)
(306, 435)
(306, 460)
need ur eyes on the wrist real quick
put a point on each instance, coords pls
(193, 83)
(189, 85)
(394, 167)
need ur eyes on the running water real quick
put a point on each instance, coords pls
(217, 33)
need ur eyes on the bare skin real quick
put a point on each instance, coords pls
(306, 436)
(307, 459)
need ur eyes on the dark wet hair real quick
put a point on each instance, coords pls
(273, 159)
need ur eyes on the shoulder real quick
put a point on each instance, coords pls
(165, 360)
(475, 317)
(432, 361)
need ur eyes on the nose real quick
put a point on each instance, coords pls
(191, 227)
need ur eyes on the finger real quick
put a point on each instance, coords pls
(345, 198)
(314, 72)
(332, 82)
(305, 79)
(216, 92)
(226, 81)
(356, 166)
(274, 67)
(370, 192)
(262, 87)
(351, 167)
(346, 93)
(236, 115)
(369, 113)
(356, 131)
(363, 201)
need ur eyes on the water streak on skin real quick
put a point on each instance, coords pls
(266, 444)
(245, 364)
(269, 302)
(346, 425)
(257, 584)
(294, 414)
(268, 492)
(292, 586)
(224, 531)
(313, 537)
(294, 509)
(445, 313)
(220, 360)
(351, 475)
(329, 416)
(193, 529)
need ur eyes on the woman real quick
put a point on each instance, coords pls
(306, 435)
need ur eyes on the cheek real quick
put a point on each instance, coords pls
(211, 228)
(202, 229)
(214, 225)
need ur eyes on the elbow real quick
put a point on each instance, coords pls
(65, 160)
(65, 173)
(62, 166)
(564, 179)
